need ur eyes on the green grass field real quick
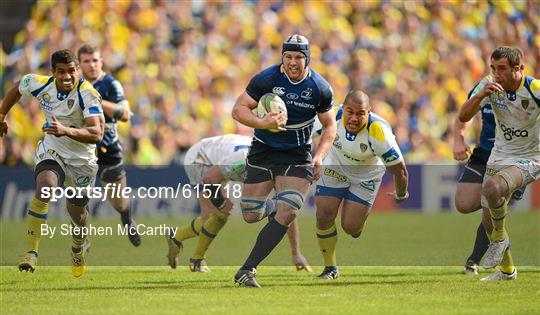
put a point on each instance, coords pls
(403, 263)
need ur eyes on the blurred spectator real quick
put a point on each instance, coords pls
(183, 63)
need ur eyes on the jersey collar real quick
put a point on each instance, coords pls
(308, 74)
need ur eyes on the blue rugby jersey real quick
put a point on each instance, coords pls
(110, 90)
(487, 134)
(304, 99)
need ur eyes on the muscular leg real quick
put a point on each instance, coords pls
(253, 200)
(291, 192)
(353, 217)
(327, 210)
(121, 205)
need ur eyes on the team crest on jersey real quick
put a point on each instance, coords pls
(525, 104)
(45, 102)
(363, 147)
(306, 94)
(278, 90)
(70, 103)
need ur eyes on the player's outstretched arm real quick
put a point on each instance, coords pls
(12, 97)
(401, 181)
(299, 261)
(329, 127)
(242, 112)
(91, 133)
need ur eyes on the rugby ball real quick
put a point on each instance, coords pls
(270, 103)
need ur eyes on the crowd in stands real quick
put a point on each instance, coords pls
(183, 63)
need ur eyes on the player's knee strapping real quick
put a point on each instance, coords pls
(216, 197)
(253, 205)
(292, 198)
(509, 179)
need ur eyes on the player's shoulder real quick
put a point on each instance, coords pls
(86, 90)
(33, 81)
(320, 81)
(270, 72)
(532, 84)
(378, 128)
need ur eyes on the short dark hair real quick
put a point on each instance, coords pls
(356, 96)
(513, 55)
(86, 50)
(63, 56)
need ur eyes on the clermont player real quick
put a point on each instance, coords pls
(66, 155)
(515, 158)
(363, 149)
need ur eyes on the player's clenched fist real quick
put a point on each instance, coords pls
(54, 127)
(490, 88)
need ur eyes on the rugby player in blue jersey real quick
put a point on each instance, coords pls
(282, 160)
(109, 151)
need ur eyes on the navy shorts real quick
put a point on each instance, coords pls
(264, 163)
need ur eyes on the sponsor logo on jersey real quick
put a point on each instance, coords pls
(509, 132)
(390, 156)
(306, 94)
(292, 96)
(82, 181)
(511, 96)
(330, 172)
(278, 90)
(70, 103)
(45, 102)
(486, 110)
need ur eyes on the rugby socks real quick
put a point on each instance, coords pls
(507, 263)
(189, 230)
(79, 235)
(209, 230)
(37, 215)
(269, 237)
(481, 244)
(498, 218)
(327, 242)
(125, 216)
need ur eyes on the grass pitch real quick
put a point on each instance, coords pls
(403, 263)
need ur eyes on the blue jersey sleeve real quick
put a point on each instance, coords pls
(262, 82)
(326, 98)
(116, 92)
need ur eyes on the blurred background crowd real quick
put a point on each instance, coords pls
(183, 63)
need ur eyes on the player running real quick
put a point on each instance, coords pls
(515, 159)
(469, 187)
(282, 160)
(363, 149)
(115, 108)
(74, 124)
(214, 162)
